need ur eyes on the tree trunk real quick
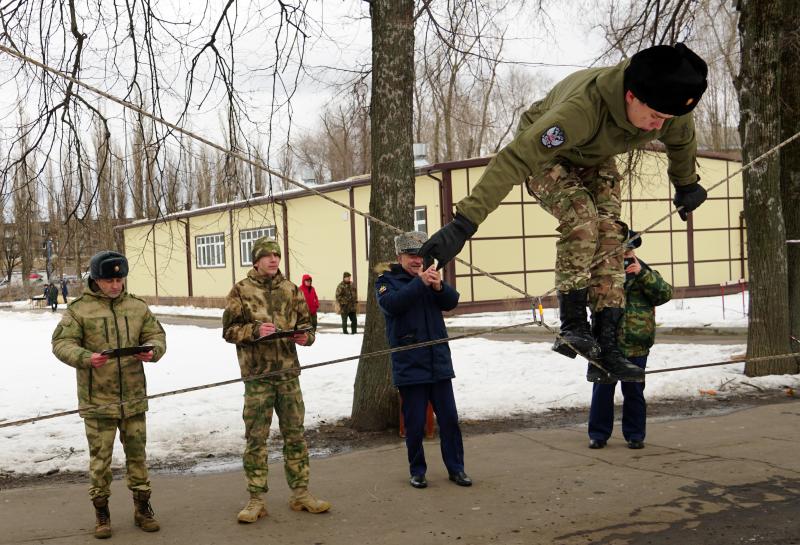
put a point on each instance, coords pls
(790, 155)
(759, 127)
(375, 405)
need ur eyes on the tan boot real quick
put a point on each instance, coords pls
(143, 515)
(303, 499)
(102, 526)
(254, 510)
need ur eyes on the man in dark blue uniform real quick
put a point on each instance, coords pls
(412, 299)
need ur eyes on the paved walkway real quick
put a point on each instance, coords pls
(713, 479)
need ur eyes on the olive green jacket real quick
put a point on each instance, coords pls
(261, 299)
(94, 322)
(581, 121)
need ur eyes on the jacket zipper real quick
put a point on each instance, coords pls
(127, 330)
(119, 360)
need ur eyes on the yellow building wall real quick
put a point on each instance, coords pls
(211, 281)
(319, 237)
(170, 248)
(141, 262)
(319, 241)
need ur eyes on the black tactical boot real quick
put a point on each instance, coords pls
(606, 323)
(143, 515)
(575, 334)
(595, 374)
(102, 527)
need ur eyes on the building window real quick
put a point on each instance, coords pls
(421, 219)
(246, 239)
(210, 250)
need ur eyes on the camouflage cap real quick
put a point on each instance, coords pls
(410, 242)
(346, 275)
(262, 247)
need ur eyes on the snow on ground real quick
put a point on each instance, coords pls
(696, 312)
(494, 379)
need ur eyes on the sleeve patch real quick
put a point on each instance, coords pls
(382, 289)
(553, 137)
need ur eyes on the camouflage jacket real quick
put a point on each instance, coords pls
(94, 322)
(346, 297)
(643, 292)
(583, 122)
(260, 299)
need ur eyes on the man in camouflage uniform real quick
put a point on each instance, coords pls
(111, 389)
(347, 299)
(260, 305)
(644, 290)
(564, 151)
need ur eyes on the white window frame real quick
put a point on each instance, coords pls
(210, 251)
(421, 219)
(246, 239)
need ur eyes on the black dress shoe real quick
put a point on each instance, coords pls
(418, 481)
(461, 479)
(635, 444)
(597, 443)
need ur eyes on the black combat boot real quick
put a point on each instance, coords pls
(575, 335)
(143, 515)
(102, 526)
(606, 323)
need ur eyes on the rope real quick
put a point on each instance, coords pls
(729, 362)
(269, 374)
(265, 168)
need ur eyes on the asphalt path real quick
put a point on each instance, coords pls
(732, 478)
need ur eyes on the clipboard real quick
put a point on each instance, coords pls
(283, 333)
(128, 351)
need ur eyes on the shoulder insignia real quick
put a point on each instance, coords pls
(553, 137)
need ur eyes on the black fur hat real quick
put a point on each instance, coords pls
(669, 79)
(108, 264)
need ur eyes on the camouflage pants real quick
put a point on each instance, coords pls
(100, 433)
(260, 397)
(587, 204)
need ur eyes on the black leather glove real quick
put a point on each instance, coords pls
(447, 242)
(689, 197)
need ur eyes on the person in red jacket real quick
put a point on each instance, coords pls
(311, 299)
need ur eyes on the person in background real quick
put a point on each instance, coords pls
(347, 301)
(261, 304)
(311, 299)
(412, 299)
(644, 290)
(52, 296)
(64, 289)
(106, 317)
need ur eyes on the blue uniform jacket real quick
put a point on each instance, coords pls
(413, 314)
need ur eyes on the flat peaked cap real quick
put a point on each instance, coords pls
(410, 242)
(106, 264)
(669, 79)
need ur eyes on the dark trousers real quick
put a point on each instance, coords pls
(634, 408)
(352, 316)
(415, 405)
(314, 322)
(54, 306)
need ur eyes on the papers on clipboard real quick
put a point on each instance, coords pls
(128, 351)
(282, 333)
